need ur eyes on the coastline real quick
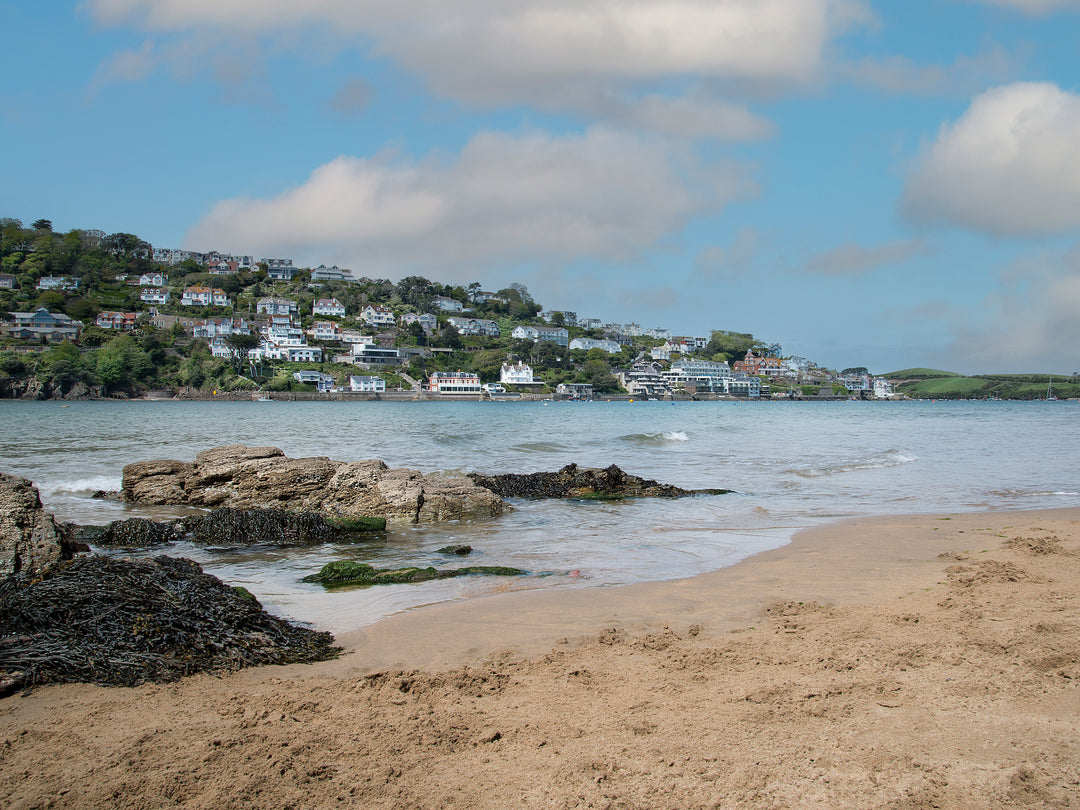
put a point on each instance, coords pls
(889, 661)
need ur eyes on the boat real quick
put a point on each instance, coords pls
(265, 398)
(1050, 390)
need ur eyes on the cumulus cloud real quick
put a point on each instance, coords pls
(855, 260)
(504, 200)
(1010, 165)
(494, 52)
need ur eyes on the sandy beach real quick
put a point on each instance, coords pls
(908, 662)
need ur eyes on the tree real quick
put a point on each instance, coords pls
(856, 370)
(123, 245)
(558, 319)
(239, 346)
(42, 225)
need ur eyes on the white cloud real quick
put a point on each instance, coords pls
(505, 200)
(900, 74)
(854, 259)
(720, 262)
(1035, 6)
(494, 52)
(1010, 166)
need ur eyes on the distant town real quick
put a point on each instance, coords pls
(90, 314)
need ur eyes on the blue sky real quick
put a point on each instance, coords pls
(888, 184)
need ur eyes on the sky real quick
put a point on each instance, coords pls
(880, 184)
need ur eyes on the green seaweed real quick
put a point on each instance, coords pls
(350, 572)
(358, 524)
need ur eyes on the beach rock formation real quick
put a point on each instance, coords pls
(572, 481)
(250, 477)
(231, 527)
(123, 622)
(30, 540)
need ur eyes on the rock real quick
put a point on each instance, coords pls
(460, 550)
(591, 483)
(243, 477)
(348, 572)
(231, 527)
(30, 541)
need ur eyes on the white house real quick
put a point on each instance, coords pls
(68, 283)
(475, 326)
(371, 354)
(454, 382)
(199, 296)
(700, 376)
(883, 389)
(609, 346)
(155, 295)
(309, 376)
(367, 385)
(277, 306)
(377, 315)
(279, 269)
(328, 306)
(152, 280)
(335, 273)
(516, 374)
(327, 330)
(448, 304)
(427, 320)
(536, 333)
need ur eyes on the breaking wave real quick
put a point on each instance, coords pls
(890, 458)
(656, 439)
(79, 486)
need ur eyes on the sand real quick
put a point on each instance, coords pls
(928, 661)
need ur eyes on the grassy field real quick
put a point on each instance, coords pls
(924, 383)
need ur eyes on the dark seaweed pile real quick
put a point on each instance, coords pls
(122, 622)
(231, 527)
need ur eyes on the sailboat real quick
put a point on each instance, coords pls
(1050, 390)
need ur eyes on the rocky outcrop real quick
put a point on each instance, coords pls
(572, 481)
(30, 541)
(348, 572)
(231, 527)
(33, 388)
(244, 477)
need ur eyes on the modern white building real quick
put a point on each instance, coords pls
(516, 374)
(152, 280)
(699, 376)
(66, 283)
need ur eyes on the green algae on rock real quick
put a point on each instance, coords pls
(350, 572)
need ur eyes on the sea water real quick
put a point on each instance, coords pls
(791, 464)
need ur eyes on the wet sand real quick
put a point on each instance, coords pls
(929, 661)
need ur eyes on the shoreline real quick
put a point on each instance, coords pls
(926, 660)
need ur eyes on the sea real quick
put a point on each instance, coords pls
(792, 465)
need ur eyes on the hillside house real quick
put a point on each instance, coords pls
(377, 315)
(553, 334)
(516, 374)
(328, 306)
(40, 324)
(124, 321)
(454, 382)
(199, 296)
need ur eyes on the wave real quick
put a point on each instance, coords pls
(656, 439)
(79, 486)
(890, 458)
(1032, 493)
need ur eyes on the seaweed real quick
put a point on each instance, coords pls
(118, 622)
(350, 572)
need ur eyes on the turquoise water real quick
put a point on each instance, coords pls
(792, 464)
